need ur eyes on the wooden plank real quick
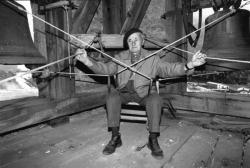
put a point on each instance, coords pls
(195, 152)
(246, 160)
(109, 41)
(204, 4)
(59, 87)
(227, 152)
(40, 42)
(30, 145)
(80, 144)
(135, 15)
(28, 113)
(198, 4)
(210, 121)
(84, 16)
(214, 103)
(34, 133)
(174, 138)
(175, 30)
(39, 31)
(201, 4)
(114, 13)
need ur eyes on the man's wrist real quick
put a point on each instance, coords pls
(188, 66)
(88, 62)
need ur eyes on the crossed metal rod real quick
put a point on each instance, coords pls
(81, 41)
(126, 67)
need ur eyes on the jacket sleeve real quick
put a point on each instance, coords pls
(109, 68)
(166, 69)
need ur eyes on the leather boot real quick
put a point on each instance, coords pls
(154, 146)
(114, 143)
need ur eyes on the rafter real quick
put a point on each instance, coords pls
(135, 15)
(84, 16)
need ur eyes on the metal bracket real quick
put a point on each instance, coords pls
(43, 6)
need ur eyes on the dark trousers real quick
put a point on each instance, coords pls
(152, 102)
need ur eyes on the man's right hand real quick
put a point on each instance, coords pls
(82, 57)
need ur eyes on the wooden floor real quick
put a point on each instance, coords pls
(79, 144)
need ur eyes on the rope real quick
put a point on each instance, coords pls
(36, 69)
(205, 74)
(212, 58)
(68, 45)
(81, 41)
(113, 59)
(150, 55)
(68, 73)
(81, 74)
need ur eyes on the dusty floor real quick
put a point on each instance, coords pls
(80, 143)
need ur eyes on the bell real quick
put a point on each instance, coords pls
(16, 45)
(227, 39)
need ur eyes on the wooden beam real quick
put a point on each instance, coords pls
(57, 48)
(174, 31)
(201, 4)
(19, 113)
(109, 41)
(84, 16)
(114, 12)
(207, 4)
(213, 103)
(135, 15)
(40, 42)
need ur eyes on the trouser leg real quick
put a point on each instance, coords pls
(153, 109)
(113, 105)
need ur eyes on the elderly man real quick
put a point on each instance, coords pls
(134, 87)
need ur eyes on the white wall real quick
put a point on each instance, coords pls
(27, 5)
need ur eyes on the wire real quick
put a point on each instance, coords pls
(68, 46)
(36, 69)
(81, 74)
(112, 59)
(152, 54)
(212, 58)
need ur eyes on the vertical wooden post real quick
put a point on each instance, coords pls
(40, 42)
(135, 15)
(174, 31)
(84, 15)
(114, 14)
(60, 87)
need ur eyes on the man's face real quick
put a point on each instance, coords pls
(135, 42)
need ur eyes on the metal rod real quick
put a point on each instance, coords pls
(57, 5)
(68, 45)
(36, 69)
(82, 74)
(152, 54)
(81, 41)
(213, 58)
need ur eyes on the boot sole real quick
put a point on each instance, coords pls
(107, 153)
(158, 157)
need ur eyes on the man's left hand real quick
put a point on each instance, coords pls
(198, 59)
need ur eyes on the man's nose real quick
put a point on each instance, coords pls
(133, 43)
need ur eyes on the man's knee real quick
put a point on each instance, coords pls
(155, 99)
(113, 96)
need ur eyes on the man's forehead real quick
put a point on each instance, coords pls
(136, 34)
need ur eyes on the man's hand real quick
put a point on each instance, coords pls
(82, 57)
(198, 59)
